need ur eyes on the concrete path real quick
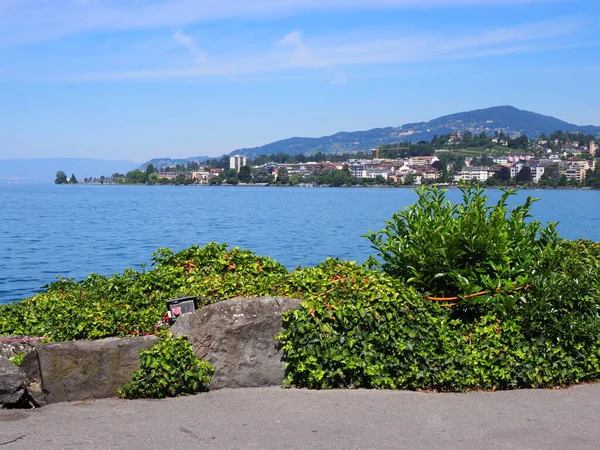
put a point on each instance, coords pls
(273, 418)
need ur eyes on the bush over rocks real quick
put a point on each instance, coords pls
(133, 302)
(363, 328)
(526, 314)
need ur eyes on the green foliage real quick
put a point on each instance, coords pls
(535, 321)
(167, 369)
(61, 178)
(333, 178)
(134, 301)
(405, 150)
(362, 328)
(283, 176)
(136, 177)
(232, 176)
(17, 360)
(245, 174)
(446, 249)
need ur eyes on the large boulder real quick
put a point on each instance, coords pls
(81, 370)
(237, 336)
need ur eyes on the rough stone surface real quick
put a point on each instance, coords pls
(33, 384)
(12, 381)
(237, 337)
(81, 370)
(31, 367)
(10, 346)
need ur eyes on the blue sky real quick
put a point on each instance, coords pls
(138, 79)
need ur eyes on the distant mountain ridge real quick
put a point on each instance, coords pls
(507, 119)
(170, 162)
(43, 170)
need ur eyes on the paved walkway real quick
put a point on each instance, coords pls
(273, 418)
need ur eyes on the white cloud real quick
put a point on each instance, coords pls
(334, 55)
(293, 39)
(301, 54)
(188, 42)
(26, 21)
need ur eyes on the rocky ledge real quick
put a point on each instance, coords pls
(237, 336)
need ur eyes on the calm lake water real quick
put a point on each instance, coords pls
(48, 230)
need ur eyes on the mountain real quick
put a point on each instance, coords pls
(170, 162)
(507, 119)
(44, 169)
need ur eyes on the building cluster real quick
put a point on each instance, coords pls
(572, 161)
(419, 168)
(203, 176)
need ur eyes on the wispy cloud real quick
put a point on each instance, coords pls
(335, 54)
(188, 42)
(27, 21)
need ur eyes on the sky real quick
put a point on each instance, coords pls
(141, 79)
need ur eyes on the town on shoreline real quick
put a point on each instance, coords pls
(561, 160)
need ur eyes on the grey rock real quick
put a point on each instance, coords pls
(81, 370)
(18, 399)
(12, 380)
(237, 336)
(31, 367)
(10, 346)
(37, 394)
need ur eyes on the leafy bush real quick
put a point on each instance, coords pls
(134, 301)
(362, 328)
(167, 369)
(446, 249)
(365, 328)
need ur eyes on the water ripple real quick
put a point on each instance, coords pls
(48, 230)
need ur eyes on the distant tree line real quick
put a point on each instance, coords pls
(61, 178)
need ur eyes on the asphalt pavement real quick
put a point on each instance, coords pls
(274, 418)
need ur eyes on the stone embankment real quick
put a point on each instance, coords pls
(236, 336)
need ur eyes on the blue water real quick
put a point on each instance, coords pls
(48, 230)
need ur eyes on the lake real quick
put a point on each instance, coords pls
(49, 230)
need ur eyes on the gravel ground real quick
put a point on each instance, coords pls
(274, 418)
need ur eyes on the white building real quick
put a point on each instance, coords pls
(537, 170)
(237, 161)
(470, 173)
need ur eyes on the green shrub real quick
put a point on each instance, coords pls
(365, 328)
(17, 360)
(446, 249)
(134, 301)
(167, 369)
(362, 328)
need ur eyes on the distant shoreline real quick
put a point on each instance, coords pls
(379, 186)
